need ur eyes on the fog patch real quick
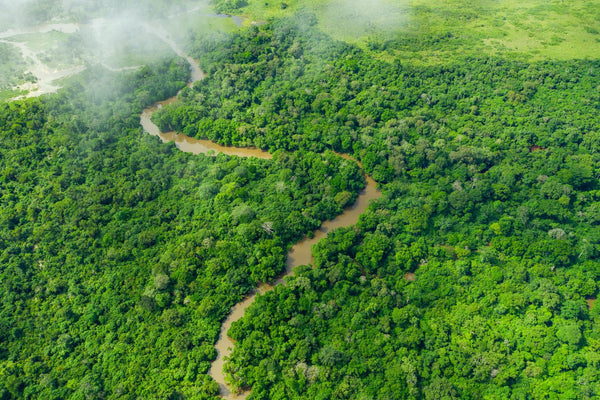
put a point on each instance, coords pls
(354, 19)
(117, 34)
(121, 41)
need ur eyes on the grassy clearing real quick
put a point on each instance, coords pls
(39, 42)
(128, 46)
(12, 68)
(9, 94)
(532, 29)
(266, 10)
(55, 49)
(202, 21)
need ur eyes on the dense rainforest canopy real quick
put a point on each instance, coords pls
(490, 172)
(474, 276)
(121, 255)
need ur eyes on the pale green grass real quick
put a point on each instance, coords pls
(197, 23)
(529, 29)
(54, 49)
(10, 94)
(266, 10)
(12, 67)
(42, 41)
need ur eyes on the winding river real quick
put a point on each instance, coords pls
(299, 254)
(47, 78)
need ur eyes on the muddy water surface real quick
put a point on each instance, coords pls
(183, 142)
(299, 254)
(195, 146)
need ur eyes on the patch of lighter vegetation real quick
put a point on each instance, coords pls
(352, 20)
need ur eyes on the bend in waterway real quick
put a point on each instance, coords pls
(299, 254)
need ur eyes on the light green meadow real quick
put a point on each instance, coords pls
(531, 29)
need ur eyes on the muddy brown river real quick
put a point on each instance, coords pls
(195, 146)
(299, 254)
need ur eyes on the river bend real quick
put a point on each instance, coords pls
(299, 254)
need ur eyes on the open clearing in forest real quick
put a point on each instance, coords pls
(533, 29)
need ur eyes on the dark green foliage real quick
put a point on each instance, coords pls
(287, 86)
(120, 255)
(12, 67)
(468, 279)
(229, 6)
(491, 186)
